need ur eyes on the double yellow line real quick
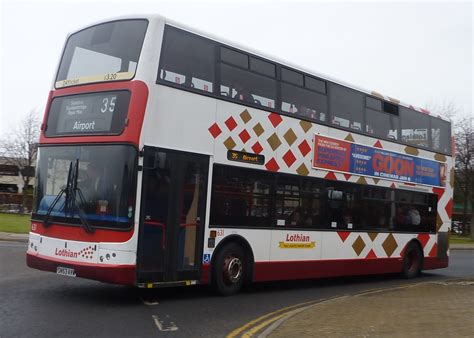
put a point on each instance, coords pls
(258, 324)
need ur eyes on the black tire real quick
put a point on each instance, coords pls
(229, 270)
(412, 261)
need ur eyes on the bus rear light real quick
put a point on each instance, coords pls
(213, 234)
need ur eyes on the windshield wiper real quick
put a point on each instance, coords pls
(75, 190)
(71, 191)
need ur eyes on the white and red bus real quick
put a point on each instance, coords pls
(171, 157)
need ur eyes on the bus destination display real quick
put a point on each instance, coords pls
(98, 113)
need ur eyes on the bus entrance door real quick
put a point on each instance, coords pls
(172, 216)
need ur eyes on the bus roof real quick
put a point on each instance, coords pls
(159, 17)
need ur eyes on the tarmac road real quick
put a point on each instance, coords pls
(42, 304)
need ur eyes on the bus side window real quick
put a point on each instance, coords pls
(414, 126)
(187, 60)
(347, 107)
(303, 102)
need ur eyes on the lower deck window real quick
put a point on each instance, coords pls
(243, 197)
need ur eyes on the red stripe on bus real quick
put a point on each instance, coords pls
(268, 271)
(77, 233)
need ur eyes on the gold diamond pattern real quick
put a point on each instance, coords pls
(389, 245)
(411, 151)
(302, 170)
(451, 178)
(229, 143)
(373, 235)
(358, 245)
(361, 180)
(349, 138)
(440, 157)
(305, 125)
(376, 180)
(243, 150)
(274, 141)
(258, 129)
(245, 116)
(439, 222)
(290, 136)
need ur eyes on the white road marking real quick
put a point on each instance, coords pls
(161, 327)
(149, 303)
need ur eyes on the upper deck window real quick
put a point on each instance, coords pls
(315, 84)
(373, 103)
(247, 87)
(414, 126)
(440, 135)
(304, 103)
(292, 77)
(187, 60)
(346, 107)
(105, 52)
(234, 58)
(262, 67)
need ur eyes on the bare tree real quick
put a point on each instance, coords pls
(447, 108)
(464, 167)
(464, 161)
(19, 147)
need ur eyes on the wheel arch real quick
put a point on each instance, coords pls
(416, 242)
(238, 239)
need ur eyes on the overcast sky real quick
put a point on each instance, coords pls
(420, 53)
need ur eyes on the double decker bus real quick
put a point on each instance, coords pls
(171, 157)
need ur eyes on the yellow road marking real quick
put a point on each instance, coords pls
(257, 328)
(285, 309)
(248, 330)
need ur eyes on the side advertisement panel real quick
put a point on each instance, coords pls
(358, 159)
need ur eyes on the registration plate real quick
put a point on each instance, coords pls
(60, 270)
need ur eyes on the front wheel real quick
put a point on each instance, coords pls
(412, 261)
(229, 269)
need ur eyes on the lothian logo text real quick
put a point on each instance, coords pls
(66, 253)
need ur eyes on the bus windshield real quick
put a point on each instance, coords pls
(105, 52)
(105, 185)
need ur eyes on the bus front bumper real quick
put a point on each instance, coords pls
(116, 274)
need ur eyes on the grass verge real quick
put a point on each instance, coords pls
(14, 223)
(458, 239)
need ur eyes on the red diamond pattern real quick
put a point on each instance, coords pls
(378, 144)
(272, 165)
(331, 176)
(257, 148)
(275, 119)
(449, 207)
(215, 130)
(289, 158)
(439, 192)
(230, 123)
(244, 136)
(434, 251)
(343, 235)
(371, 254)
(304, 148)
(423, 238)
(347, 176)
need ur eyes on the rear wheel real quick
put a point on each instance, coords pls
(229, 269)
(412, 261)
